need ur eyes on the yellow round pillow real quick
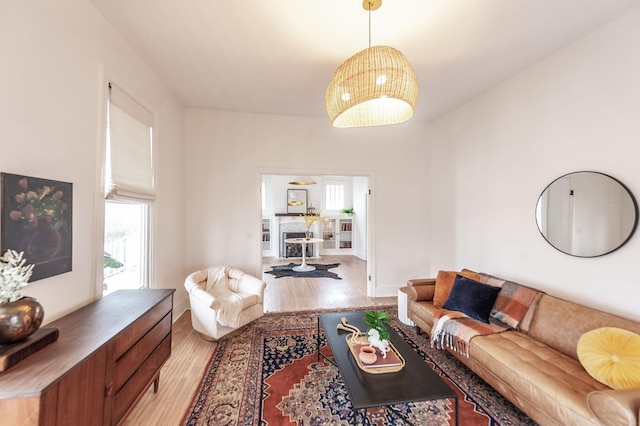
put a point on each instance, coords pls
(611, 356)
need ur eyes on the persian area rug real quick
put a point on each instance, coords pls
(321, 271)
(270, 375)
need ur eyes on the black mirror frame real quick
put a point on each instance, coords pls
(633, 200)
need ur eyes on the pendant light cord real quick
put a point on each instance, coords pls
(369, 24)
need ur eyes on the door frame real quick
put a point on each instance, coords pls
(370, 213)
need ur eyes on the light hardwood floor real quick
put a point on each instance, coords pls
(285, 293)
(189, 354)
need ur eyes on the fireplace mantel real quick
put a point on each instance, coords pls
(292, 223)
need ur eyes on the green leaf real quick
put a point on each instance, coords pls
(377, 320)
(384, 333)
(110, 262)
(384, 316)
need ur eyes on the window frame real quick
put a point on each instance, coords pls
(101, 185)
(347, 197)
(146, 238)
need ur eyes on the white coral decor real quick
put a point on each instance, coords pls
(13, 276)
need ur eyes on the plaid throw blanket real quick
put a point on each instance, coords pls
(454, 330)
(513, 301)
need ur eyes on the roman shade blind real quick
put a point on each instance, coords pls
(129, 147)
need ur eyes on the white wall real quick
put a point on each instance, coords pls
(491, 158)
(360, 188)
(227, 152)
(49, 112)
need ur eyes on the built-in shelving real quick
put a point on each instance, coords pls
(266, 236)
(337, 233)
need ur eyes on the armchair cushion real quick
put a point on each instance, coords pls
(227, 303)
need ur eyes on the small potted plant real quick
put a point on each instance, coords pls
(377, 321)
(377, 333)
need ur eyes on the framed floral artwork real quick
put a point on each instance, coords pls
(37, 220)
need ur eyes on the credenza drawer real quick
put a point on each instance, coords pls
(128, 337)
(132, 359)
(133, 388)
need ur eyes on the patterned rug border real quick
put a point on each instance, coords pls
(392, 308)
(474, 390)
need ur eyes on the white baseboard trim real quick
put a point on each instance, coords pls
(179, 308)
(386, 291)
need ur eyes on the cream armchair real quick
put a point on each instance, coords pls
(205, 305)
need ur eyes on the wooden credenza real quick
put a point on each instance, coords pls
(107, 355)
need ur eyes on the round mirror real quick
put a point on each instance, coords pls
(586, 214)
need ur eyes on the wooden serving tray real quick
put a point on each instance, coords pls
(392, 363)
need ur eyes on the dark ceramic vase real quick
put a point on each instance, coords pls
(19, 319)
(43, 243)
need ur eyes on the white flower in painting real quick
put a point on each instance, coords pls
(14, 276)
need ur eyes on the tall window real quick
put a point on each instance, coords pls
(334, 196)
(129, 193)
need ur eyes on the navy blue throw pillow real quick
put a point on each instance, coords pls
(472, 297)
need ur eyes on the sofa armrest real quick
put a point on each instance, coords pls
(615, 407)
(420, 289)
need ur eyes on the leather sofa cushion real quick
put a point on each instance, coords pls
(424, 311)
(421, 313)
(560, 323)
(543, 376)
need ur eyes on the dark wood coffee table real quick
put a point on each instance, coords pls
(415, 382)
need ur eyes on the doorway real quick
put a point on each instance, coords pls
(342, 201)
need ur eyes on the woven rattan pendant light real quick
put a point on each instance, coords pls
(373, 87)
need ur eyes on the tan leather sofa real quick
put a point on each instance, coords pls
(537, 367)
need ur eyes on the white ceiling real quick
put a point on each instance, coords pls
(277, 57)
